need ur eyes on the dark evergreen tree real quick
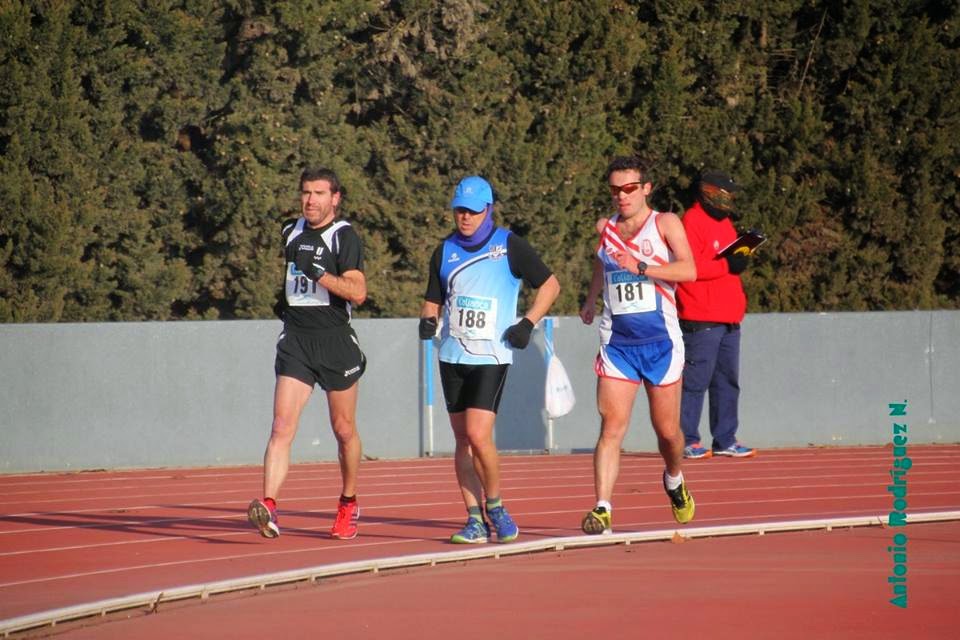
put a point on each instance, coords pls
(149, 151)
(51, 199)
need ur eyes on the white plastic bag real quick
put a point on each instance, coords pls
(558, 395)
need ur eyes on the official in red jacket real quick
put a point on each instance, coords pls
(710, 310)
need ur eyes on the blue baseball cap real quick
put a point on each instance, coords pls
(472, 193)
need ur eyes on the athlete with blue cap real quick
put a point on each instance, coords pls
(474, 280)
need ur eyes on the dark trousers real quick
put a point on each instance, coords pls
(712, 364)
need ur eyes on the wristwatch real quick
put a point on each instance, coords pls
(641, 268)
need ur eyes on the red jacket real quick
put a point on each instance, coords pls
(716, 295)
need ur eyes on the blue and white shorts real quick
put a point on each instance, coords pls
(659, 363)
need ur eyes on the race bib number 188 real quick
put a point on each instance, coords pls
(630, 293)
(473, 317)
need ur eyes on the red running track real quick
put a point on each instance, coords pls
(805, 585)
(67, 539)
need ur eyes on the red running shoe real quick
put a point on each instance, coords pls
(263, 518)
(345, 526)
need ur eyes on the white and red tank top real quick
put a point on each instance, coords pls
(636, 309)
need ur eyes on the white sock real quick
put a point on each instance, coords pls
(606, 505)
(672, 482)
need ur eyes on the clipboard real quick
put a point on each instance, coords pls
(746, 243)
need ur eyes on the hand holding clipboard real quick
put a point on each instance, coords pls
(745, 244)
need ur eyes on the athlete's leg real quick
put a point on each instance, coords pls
(665, 415)
(289, 397)
(615, 403)
(343, 420)
(479, 433)
(468, 476)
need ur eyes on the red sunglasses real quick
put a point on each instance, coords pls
(629, 187)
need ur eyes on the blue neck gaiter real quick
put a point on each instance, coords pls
(479, 236)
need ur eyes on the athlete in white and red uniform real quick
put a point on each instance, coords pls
(642, 253)
(637, 309)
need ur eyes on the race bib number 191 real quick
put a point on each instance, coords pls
(304, 292)
(630, 293)
(473, 317)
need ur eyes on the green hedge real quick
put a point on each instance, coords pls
(149, 150)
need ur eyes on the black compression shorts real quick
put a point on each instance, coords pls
(472, 386)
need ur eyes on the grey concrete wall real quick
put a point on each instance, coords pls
(89, 396)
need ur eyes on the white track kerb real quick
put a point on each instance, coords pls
(151, 600)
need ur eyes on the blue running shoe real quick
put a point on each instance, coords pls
(695, 451)
(735, 450)
(474, 532)
(507, 529)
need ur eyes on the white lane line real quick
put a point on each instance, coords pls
(513, 498)
(512, 482)
(142, 527)
(932, 454)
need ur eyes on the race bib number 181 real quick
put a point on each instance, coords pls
(630, 293)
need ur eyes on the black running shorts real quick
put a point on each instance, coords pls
(330, 358)
(472, 386)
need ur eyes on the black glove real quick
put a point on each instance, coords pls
(310, 264)
(279, 307)
(737, 262)
(428, 328)
(519, 334)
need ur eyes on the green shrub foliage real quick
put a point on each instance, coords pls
(150, 150)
